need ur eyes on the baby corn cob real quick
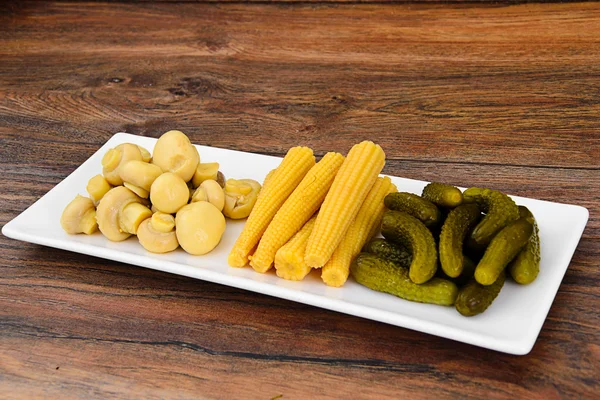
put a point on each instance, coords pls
(289, 259)
(365, 225)
(269, 176)
(348, 191)
(297, 209)
(297, 162)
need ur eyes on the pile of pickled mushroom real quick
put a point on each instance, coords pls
(167, 199)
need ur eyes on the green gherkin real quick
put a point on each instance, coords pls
(526, 265)
(406, 230)
(415, 205)
(443, 195)
(389, 251)
(502, 249)
(500, 211)
(475, 298)
(385, 276)
(457, 226)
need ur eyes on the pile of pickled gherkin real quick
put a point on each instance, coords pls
(449, 248)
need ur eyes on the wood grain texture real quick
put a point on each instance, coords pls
(470, 94)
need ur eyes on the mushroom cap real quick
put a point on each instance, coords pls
(175, 153)
(199, 227)
(169, 193)
(109, 208)
(155, 241)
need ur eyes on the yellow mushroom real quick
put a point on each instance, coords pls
(79, 216)
(115, 158)
(205, 171)
(240, 197)
(138, 176)
(97, 187)
(119, 213)
(169, 193)
(199, 227)
(175, 153)
(157, 235)
(210, 191)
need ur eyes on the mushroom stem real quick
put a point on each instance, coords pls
(97, 187)
(111, 159)
(137, 190)
(132, 216)
(162, 222)
(88, 224)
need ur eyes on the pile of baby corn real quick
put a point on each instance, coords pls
(315, 215)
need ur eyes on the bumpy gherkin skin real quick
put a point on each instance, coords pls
(502, 249)
(526, 265)
(474, 298)
(459, 223)
(414, 205)
(406, 230)
(389, 251)
(443, 195)
(385, 276)
(500, 211)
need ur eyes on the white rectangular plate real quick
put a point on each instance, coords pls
(510, 325)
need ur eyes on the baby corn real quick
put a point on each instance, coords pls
(348, 191)
(365, 225)
(289, 260)
(297, 162)
(297, 209)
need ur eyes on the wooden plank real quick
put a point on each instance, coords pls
(469, 94)
(441, 81)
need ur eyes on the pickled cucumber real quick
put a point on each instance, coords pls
(526, 265)
(502, 249)
(406, 230)
(385, 276)
(418, 207)
(443, 195)
(500, 211)
(459, 223)
(389, 251)
(475, 298)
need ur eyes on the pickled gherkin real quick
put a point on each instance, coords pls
(385, 276)
(443, 195)
(389, 251)
(526, 265)
(418, 207)
(475, 298)
(459, 223)
(500, 211)
(408, 231)
(502, 249)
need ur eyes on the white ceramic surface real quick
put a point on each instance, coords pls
(510, 325)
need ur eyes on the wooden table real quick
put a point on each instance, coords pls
(504, 96)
